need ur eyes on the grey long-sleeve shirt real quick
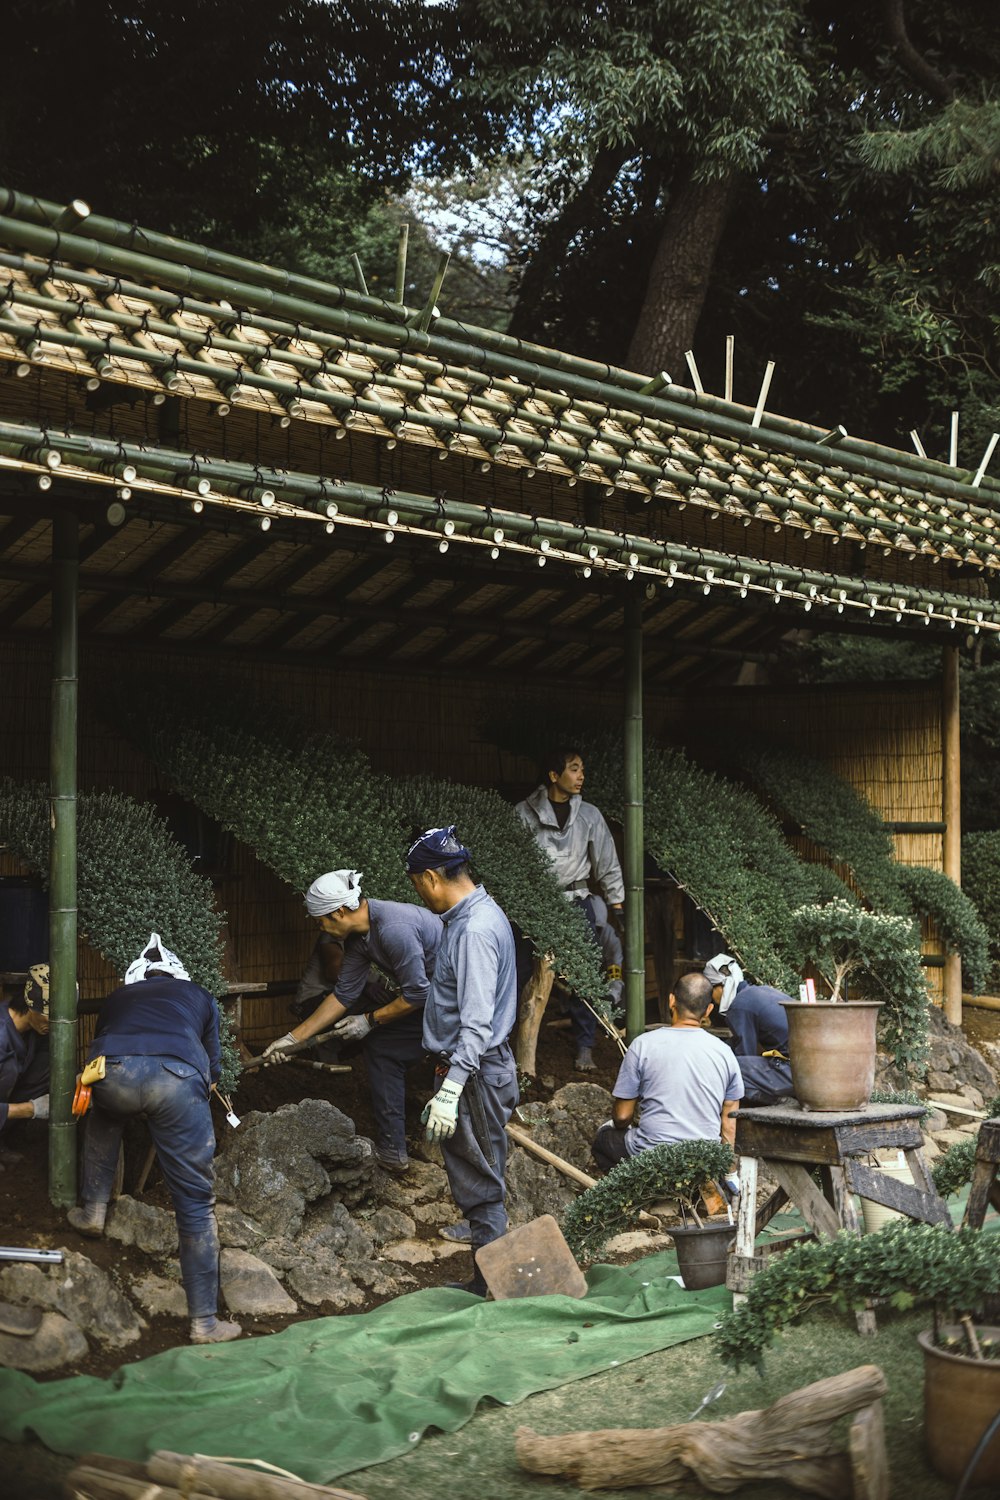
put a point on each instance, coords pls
(403, 939)
(582, 849)
(472, 1005)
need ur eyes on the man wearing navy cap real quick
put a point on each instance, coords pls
(470, 1013)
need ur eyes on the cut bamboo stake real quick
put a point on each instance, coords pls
(953, 443)
(404, 236)
(765, 386)
(730, 364)
(430, 311)
(359, 276)
(984, 461)
(695, 376)
(918, 445)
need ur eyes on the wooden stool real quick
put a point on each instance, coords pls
(788, 1141)
(985, 1187)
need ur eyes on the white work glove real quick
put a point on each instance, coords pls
(40, 1108)
(441, 1114)
(352, 1028)
(731, 1183)
(278, 1051)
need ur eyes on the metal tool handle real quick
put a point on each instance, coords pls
(34, 1257)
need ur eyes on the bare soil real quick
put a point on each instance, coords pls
(29, 1219)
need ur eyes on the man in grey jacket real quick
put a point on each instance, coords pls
(578, 842)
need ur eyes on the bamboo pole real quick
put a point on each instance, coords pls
(640, 459)
(635, 936)
(303, 297)
(318, 496)
(952, 815)
(62, 861)
(404, 236)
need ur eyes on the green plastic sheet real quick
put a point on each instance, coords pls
(332, 1395)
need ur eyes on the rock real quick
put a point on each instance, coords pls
(939, 1082)
(279, 1162)
(250, 1286)
(389, 1224)
(933, 1121)
(635, 1239)
(566, 1125)
(318, 1284)
(279, 1253)
(133, 1223)
(330, 1227)
(946, 1138)
(445, 1249)
(931, 1148)
(951, 1053)
(973, 1096)
(159, 1297)
(57, 1342)
(547, 1082)
(87, 1296)
(423, 1183)
(236, 1231)
(410, 1252)
(384, 1280)
(434, 1213)
(81, 1292)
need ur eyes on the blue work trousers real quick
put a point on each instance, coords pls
(765, 1080)
(174, 1099)
(389, 1051)
(477, 1186)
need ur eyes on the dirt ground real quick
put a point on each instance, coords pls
(29, 1220)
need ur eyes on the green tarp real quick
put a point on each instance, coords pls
(336, 1394)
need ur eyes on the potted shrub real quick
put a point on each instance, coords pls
(870, 963)
(678, 1171)
(903, 1264)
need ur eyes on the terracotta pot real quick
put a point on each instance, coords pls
(701, 1254)
(832, 1052)
(961, 1398)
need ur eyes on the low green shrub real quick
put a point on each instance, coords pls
(904, 1263)
(615, 1203)
(930, 893)
(952, 1171)
(981, 883)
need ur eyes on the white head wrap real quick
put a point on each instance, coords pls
(332, 891)
(155, 956)
(724, 970)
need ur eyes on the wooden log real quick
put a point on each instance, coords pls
(207, 1476)
(982, 1002)
(866, 1446)
(790, 1441)
(534, 999)
(86, 1483)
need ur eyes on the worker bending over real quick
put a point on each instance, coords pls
(469, 1015)
(755, 1015)
(24, 1054)
(686, 1081)
(579, 845)
(402, 940)
(158, 1036)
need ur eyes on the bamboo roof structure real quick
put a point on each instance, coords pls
(270, 462)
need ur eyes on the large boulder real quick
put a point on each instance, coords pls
(81, 1292)
(153, 1230)
(57, 1342)
(279, 1162)
(250, 1286)
(565, 1125)
(954, 1065)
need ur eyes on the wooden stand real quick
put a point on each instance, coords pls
(790, 1441)
(985, 1187)
(787, 1142)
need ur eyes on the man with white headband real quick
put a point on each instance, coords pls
(755, 1015)
(469, 1015)
(24, 1055)
(158, 1041)
(402, 940)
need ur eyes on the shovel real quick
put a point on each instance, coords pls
(533, 1260)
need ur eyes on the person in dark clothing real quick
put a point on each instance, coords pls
(318, 980)
(24, 1055)
(756, 1017)
(159, 1037)
(402, 939)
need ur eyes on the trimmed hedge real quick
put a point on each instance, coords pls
(981, 883)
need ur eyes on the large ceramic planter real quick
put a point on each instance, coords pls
(701, 1254)
(832, 1052)
(961, 1398)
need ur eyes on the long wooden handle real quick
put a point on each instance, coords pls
(258, 1062)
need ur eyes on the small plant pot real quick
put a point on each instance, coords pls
(876, 1215)
(961, 1398)
(832, 1052)
(702, 1254)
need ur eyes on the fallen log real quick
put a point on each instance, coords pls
(790, 1441)
(196, 1476)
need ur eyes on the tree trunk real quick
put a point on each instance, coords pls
(678, 279)
(553, 245)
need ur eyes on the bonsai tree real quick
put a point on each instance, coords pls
(677, 1171)
(904, 1264)
(865, 955)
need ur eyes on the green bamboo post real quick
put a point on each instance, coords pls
(62, 861)
(426, 317)
(635, 927)
(404, 237)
